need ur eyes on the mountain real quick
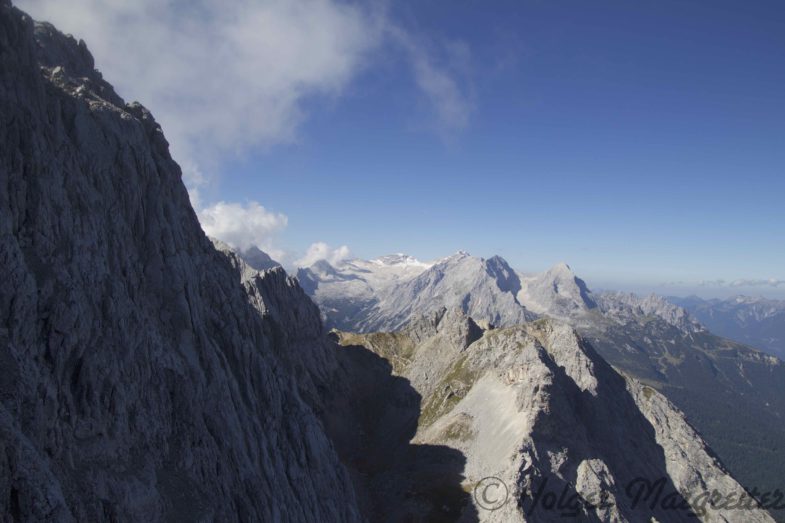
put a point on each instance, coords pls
(731, 393)
(532, 409)
(385, 294)
(248, 262)
(625, 307)
(759, 322)
(558, 292)
(139, 382)
(347, 292)
(258, 259)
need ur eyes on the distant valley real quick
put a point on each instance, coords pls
(758, 322)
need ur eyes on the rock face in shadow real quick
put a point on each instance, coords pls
(137, 383)
(536, 408)
(730, 392)
(372, 423)
(370, 413)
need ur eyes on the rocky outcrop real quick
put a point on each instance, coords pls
(258, 260)
(627, 307)
(539, 416)
(138, 381)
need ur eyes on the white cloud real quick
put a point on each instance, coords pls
(750, 282)
(220, 77)
(243, 226)
(439, 80)
(226, 77)
(321, 251)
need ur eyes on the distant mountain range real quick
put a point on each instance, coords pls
(385, 293)
(759, 322)
(732, 393)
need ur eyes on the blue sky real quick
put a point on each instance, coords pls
(641, 142)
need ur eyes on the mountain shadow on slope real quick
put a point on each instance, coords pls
(578, 420)
(371, 423)
(735, 403)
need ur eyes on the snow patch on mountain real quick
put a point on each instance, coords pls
(386, 293)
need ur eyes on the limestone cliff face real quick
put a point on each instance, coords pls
(535, 407)
(137, 381)
(293, 323)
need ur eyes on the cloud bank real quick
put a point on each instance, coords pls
(321, 251)
(770, 282)
(244, 225)
(223, 78)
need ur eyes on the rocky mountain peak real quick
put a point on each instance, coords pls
(504, 275)
(628, 306)
(368, 295)
(258, 259)
(455, 257)
(561, 268)
(558, 292)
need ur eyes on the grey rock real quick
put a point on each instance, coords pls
(536, 407)
(730, 392)
(625, 307)
(139, 383)
(258, 259)
(364, 300)
(558, 292)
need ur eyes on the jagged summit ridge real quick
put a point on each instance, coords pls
(626, 306)
(535, 405)
(387, 292)
(645, 336)
(363, 296)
